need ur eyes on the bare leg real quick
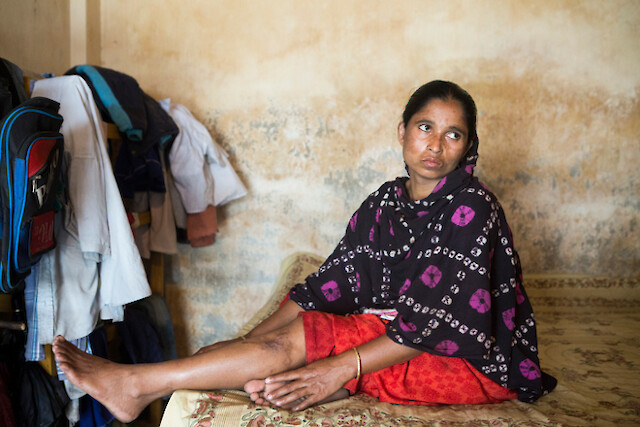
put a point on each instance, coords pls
(127, 389)
(258, 391)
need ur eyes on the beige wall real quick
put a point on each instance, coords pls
(306, 96)
(35, 34)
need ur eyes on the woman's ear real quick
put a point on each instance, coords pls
(401, 130)
(469, 145)
(468, 148)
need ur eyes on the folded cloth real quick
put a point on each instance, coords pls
(202, 227)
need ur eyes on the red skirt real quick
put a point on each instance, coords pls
(425, 380)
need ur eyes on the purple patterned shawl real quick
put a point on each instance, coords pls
(447, 264)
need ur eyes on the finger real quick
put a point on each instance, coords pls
(306, 403)
(292, 399)
(285, 389)
(285, 377)
(288, 376)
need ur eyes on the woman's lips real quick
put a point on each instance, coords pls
(431, 162)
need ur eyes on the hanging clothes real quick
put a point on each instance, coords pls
(96, 268)
(145, 127)
(202, 227)
(42, 398)
(120, 100)
(199, 165)
(201, 175)
(159, 235)
(12, 92)
(7, 417)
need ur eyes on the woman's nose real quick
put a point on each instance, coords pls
(434, 144)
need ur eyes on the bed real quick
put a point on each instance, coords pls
(588, 340)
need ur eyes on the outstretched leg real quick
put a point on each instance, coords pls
(127, 389)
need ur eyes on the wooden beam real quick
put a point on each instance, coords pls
(85, 32)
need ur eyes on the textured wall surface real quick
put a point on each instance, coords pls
(306, 97)
(35, 34)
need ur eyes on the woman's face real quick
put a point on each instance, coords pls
(433, 142)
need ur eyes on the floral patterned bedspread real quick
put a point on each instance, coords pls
(588, 338)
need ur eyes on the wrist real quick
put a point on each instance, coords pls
(349, 363)
(358, 363)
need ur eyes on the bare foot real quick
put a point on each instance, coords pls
(112, 384)
(259, 389)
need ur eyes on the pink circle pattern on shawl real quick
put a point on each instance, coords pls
(508, 316)
(480, 301)
(463, 215)
(353, 221)
(431, 276)
(404, 287)
(331, 291)
(447, 347)
(519, 296)
(406, 326)
(529, 369)
(439, 185)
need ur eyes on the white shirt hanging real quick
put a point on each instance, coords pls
(200, 167)
(95, 268)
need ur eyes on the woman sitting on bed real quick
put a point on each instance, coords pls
(420, 303)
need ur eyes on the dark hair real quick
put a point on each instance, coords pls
(439, 89)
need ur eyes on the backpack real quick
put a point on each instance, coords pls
(31, 183)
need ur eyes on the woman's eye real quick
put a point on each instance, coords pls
(454, 135)
(424, 127)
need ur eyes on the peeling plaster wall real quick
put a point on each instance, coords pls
(306, 97)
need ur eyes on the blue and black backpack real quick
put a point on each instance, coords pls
(31, 187)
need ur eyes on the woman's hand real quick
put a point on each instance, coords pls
(306, 386)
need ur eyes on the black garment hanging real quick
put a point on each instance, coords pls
(12, 92)
(42, 398)
(38, 399)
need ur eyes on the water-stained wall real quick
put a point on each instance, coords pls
(306, 97)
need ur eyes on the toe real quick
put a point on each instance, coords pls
(254, 386)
